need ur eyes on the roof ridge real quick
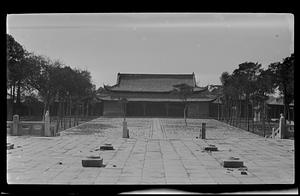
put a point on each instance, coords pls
(151, 74)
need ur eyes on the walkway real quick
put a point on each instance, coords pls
(157, 131)
(172, 155)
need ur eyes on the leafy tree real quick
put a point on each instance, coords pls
(32, 104)
(246, 77)
(73, 87)
(51, 80)
(283, 75)
(263, 86)
(249, 80)
(230, 91)
(184, 91)
(15, 69)
(83, 87)
(44, 78)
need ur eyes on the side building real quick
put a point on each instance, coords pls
(152, 95)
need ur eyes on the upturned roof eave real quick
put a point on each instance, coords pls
(159, 99)
(110, 89)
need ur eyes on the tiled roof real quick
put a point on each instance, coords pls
(152, 82)
(159, 99)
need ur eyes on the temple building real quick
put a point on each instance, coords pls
(152, 95)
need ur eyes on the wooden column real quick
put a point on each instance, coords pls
(167, 108)
(144, 108)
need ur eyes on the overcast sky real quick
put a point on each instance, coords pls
(206, 44)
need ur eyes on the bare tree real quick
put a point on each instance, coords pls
(184, 91)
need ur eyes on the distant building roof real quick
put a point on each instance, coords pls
(157, 88)
(152, 82)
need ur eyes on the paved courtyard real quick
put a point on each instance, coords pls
(159, 151)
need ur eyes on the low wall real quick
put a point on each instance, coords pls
(28, 128)
(37, 128)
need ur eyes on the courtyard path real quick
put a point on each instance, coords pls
(157, 131)
(159, 151)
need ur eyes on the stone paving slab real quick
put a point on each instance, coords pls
(159, 151)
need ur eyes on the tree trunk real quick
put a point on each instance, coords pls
(240, 113)
(228, 111)
(45, 109)
(92, 110)
(18, 100)
(285, 103)
(285, 108)
(235, 112)
(184, 114)
(13, 99)
(252, 117)
(218, 111)
(70, 106)
(263, 118)
(76, 113)
(59, 114)
(247, 112)
(63, 109)
(87, 108)
(222, 112)
(67, 107)
(124, 111)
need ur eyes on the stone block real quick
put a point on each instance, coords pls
(232, 163)
(92, 161)
(10, 146)
(211, 148)
(106, 147)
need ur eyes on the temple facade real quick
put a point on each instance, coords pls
(149, 95)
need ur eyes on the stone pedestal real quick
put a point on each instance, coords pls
(10, 146)
(282, 127)
(203, 130)
(92, 161)
(47, 131)
(211, 148)
(125, 130)
(106, 147)
(232, 163)
(15, 126)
